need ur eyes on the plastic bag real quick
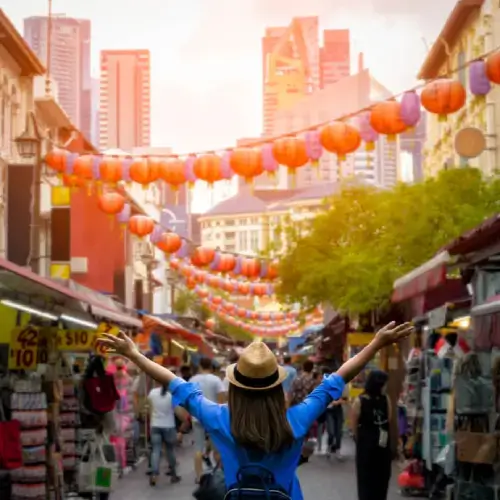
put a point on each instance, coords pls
(446, 459)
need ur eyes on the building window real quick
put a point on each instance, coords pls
(242, 241)
(254, 241)
(230, 236)
(229, 222)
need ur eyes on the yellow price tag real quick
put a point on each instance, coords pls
(23, 348)
(75, 340)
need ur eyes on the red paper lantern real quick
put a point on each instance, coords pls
(291, 152)
(243, 287)
(83, 167)
(57, 160)
(202, 256)
(493, 67)
(272, 270)
(111, 170)
(172, 171)
(141, 225)
(241, 312)
(140, 171)
(72, 181)
(169, 242)
(443, 97)
(111, 203)
(247, 162)
(250, 267)
(208, 168)
(385, 118)
(340, 138)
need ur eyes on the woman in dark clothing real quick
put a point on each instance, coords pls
(370, 427)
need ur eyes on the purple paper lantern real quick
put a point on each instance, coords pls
(478, 81)
(237, 267)
(155, 236)
(183, 251)
(410, 108)
(366, 131)
(126, 164)
(70, 163)
(314, 149)
(214, 265)
(269, 163)
(189, 170)
(96, 170)
(226, 171)
(124, 216)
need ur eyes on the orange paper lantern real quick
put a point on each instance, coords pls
(202, 256)
(111, 170)
(272, 270)
(83, 167)
(169, 242)
(385, 118)
(72, 181)
(291, 152)
(243, 287)
(443, 97)
(250, 268)
(57, 160)
(171, 170)
(111, 203)
(140, 172)
(247, 162)
(493, 67)
(208, 168)
(141, 225)
(340, 138)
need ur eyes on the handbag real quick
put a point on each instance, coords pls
(96, 474)
(11, 454)
(476, 447)
(212, 486)
(99, 390)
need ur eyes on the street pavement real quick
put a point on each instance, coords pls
(321, 479)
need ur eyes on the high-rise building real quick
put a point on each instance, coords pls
(290, 58)
(69, 63)
(94, 138)
(335, 57)
(125, 99)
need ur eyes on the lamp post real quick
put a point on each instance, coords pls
(29, 147)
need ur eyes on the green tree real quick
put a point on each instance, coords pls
(367, 238)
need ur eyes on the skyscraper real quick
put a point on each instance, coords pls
(290, 58)
(125, 99)
(69, 63)
(335, 57)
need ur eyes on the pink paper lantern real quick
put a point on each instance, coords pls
(269, 163)
(366, 131)
(410, 108)
(314, 148)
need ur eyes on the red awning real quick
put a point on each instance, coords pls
(22, 280)
(422, 279)
(170, 328)
(482, 236)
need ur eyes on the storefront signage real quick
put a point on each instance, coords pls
(23, 353)
(79, 341)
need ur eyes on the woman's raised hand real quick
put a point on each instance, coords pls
(118, 344)
(391, 334)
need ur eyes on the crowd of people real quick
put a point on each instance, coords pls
(259, 420)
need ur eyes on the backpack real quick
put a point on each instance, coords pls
(99, 389)
(255, 482)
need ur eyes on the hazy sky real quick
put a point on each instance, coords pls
(206, 54)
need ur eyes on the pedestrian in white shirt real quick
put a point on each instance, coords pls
(163, 431)
(213, 389)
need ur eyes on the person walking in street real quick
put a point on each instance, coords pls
(212, 389)
(163, 432)
(335, 425)
(258, 438)
(370, 423)
(291, 375)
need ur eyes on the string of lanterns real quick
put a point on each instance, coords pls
(442, 96)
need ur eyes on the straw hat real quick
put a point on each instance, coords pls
(257, 369)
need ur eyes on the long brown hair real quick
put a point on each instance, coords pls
(258, 419)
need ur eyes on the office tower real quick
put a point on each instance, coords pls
(290, 58)
(335, 57)
(94, 138)
(69, 63)
(125, 99)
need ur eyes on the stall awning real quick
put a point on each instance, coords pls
(18, 281)
(422, 279)
(170, 327)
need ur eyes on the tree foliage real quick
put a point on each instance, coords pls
(368, 237)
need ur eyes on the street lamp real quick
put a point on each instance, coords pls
(28, 143)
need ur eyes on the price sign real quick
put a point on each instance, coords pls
(75, 340)
(24, 348)
(104, 328)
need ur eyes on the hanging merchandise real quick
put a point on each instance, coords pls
(100, 394)
(96, 473)
(11, 456)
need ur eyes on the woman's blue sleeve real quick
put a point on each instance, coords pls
(303, 415)
(190, 397)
